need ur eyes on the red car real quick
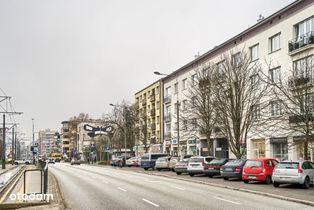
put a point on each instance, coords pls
(259, 169)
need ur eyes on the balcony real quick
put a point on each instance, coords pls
(152, 98)
(167, 118)
(152, 112)
(301, 118)
(144, 102)
(167, 99)
(305, 42)
(297, 81)
(153, 126)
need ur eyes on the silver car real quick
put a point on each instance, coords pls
(294, 172)
(162, 163)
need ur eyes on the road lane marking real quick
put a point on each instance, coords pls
(124, 190)
(104, 181)
(147, 201)
(179, 188)
(222, 199)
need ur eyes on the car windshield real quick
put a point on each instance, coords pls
(290, 165)
(253, 163)
(235, 162)
(145, 157)
(217, 161)
(196, 160)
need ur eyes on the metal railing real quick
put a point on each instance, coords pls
(300, 42)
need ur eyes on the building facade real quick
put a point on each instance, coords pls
(283, 45)
(47, 142)
(149, 114)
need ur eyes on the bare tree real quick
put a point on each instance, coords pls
(237, 92)
(198, 114)
(296, 94)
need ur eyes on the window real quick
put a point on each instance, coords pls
(280, 150)
(275, 75)
(184, 84)
(254, 52)
(220, 67)
(308, 103)
(274, 43)
(175, 88)
(254, 80)
(193, 78)
(194, 123)
(167, 93)
(304, 28)
(276, 109)
(176, 107)
(185, 125)
(157, 90)
(168, 110)
(304, 68)
(236, 59)
(184, 104)
(256, 111)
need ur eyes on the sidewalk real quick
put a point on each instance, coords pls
(33, 179)
(7, 167)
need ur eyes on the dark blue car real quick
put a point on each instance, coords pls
(148, 160)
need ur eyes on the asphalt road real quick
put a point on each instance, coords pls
(90, 187)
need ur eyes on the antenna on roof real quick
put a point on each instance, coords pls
(260, 18)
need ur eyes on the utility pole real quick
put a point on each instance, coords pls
(33, 143)
(13, 144)
(3, 143)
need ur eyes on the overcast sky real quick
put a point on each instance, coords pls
(59, 58)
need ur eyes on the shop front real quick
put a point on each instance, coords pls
(279, 148)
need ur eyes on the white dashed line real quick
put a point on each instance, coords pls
(179, 188)
(222, 199)
(124, 190)
(147, 201)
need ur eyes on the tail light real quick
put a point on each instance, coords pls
(238, 169)
(300, 171)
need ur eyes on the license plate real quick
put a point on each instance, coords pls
(252, 177)
(228, 169)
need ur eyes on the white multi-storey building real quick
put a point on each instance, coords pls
(279, 43)
(47, 142)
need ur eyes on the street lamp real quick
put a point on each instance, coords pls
(125, 126)
(177, 109)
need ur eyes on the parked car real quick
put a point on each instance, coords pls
(196, 164)
(75, 162)
(294, 172)
(118, 161)
(148, 160)
(260, 169)
(162, 163)
(173, 161)
(181, 166)
(232, 169)
(133, 161)
(17, 162)
(212, 168)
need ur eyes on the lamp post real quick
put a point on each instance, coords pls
(125, 126)
(33, 141)
(177, 110)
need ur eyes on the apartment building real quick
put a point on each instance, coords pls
(47, 142)
(283, 44)
(149, 114)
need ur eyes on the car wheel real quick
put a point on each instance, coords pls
(276, 184)
(306, 183)
(226, 178)
(191, 174)
(268, 180)
(172, 169)
(130, 166)
(145, 169)
(178, 173)
(210, 176)
(246, 181)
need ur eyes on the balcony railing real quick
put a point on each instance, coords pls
(167, 99)
(305, 40)
(143, 102)
(296, 81)
(301, 118)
